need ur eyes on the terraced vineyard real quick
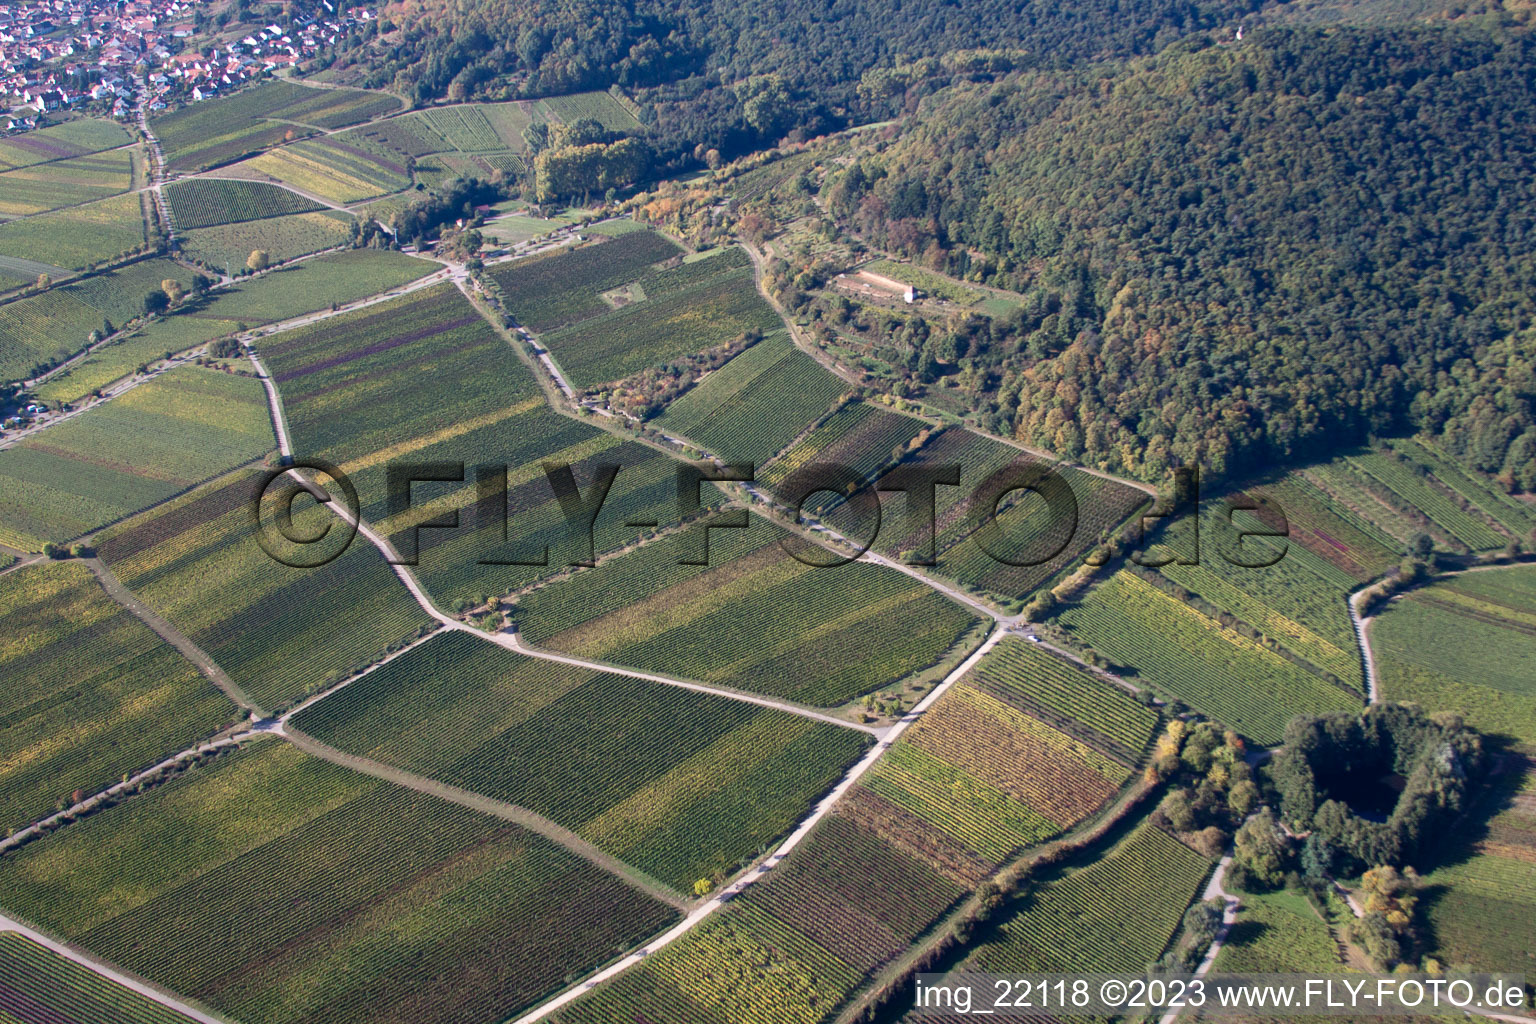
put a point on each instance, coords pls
(207, 202)
(279, 632)
(682, 785)
(1177, 650)
(1114, 915)
(225, 129)
(686, 309)
(1296, 601)
(315, 863)
(150, 443)
(40, 331)
(118, 701)
(1465, 644)
(228, 246)
(755, 618)
(755, 406)
(562, 288)
(38, 981)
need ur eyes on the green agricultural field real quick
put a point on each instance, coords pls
(686, 309)
(281, 633)
(1295, 601)
(426, 378)
(70, 182)
(61, 142)
(283, 238)
(860, 436)
(142, 447)
(754, 406)
(755, 618)
(1465, 644)
(1028, 529)
(88, 693)
(1350, 550)
(316, 894)
(992, 778)
(74, 237)
(1479, 901)
(208, 202)
(43, 330)
(225, 129)
(1179, 651)
(1278, 933)
(1404, 488)
(599, 106)
(1073, 700)
(144, 347)
(342, 168)
(1115, 914)
(681, 785)
(793, 947)
(561, 288)
(293, 290)
(59, 989)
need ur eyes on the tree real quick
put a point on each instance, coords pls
(1210, 841)
(156, 302)
(1262, 851)
(173, 290)
(258, 260)
(52, 550)
(43, 281)
(703, 887)
(1177, 809)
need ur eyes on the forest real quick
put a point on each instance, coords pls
(730, 77)
(1233, 253)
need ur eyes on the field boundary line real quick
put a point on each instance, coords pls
(531, 820)
(113, 974)
(200, 658)
(752, 875)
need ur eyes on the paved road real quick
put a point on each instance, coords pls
(808, 823)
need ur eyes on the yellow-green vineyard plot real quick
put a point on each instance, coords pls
(228, 246)
(425, 378)
(280, 632)
(1176, 649)
(794, 946)
(69, 182)
(1115, 914)
(71, 238)
(1075, 701)
(755, 618)
(1465, 644)
(38, 980)
(144, 446)
(277, 888)
(88, 693)
(680, 784)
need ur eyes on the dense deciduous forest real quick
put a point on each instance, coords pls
(730, 76)
(1236, 253)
